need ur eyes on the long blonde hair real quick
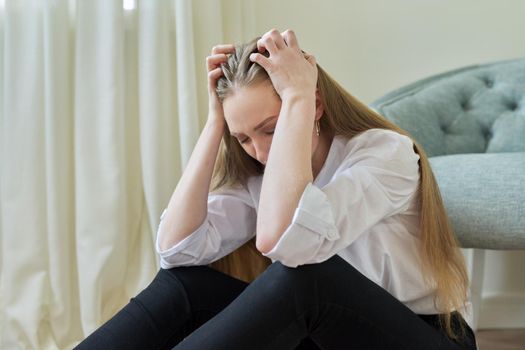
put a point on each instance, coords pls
(442, 262)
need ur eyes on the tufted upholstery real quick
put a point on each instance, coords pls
(471, 123)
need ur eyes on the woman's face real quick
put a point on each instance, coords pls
(251, 114)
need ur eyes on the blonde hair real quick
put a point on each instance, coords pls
(443, 264)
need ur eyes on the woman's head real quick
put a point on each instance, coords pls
(252, 107)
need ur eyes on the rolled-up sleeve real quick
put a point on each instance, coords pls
(230, 222)
(377, 179)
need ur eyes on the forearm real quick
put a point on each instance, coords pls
(288, 170)
(188, 206)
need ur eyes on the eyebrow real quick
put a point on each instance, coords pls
(261, 124)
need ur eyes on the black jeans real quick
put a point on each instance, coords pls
(329, 306)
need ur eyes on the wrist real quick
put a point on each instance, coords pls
(293, 96)
(215, 125)
(299, 100)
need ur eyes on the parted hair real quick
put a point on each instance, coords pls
(443, 264)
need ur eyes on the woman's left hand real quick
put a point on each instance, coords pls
(292, 72)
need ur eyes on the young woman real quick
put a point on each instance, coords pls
(344, 240)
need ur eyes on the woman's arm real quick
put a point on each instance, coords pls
(187, 208)
(288, 170)
(229, 223)
(377, 178)
(289, 166)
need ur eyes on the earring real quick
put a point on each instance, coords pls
(317, 127)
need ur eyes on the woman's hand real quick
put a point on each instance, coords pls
(292, 72)
(213, 64)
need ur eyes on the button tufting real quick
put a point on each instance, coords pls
(513, 106)
(465, 105)
(488, 82)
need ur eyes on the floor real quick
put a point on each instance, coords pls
(501, 339)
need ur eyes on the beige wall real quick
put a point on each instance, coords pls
(372, 47)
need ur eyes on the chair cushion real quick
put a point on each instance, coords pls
(484, 195)
(477, 109)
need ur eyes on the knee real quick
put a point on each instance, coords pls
(282, 275)
(177, 280)
(301, 280)
(165, 291)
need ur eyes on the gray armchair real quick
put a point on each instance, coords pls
(471, 123)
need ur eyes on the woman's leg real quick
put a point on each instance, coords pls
(176, 302)
(331, 302)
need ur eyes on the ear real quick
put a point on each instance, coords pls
(319, 108)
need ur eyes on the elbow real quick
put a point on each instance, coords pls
(267, 238)
(263, 244)
(163, 242)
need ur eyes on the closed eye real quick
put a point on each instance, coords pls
(243, 141)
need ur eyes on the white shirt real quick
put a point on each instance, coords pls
(361, 206)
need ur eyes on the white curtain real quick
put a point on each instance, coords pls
(100, 107)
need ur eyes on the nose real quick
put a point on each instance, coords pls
(262, 157)
(261, 153)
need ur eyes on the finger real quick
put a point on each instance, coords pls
(273, 36)
(277, 38)
(311, 59)
(261, 60)
(260, 46)
(266, 43)
(213, 61)
(223, 48)
(290, 38)
(213, 75)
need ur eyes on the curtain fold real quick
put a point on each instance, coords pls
(158, 98)
(187, 89)
(100, 108)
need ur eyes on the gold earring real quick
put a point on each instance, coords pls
(317, 127)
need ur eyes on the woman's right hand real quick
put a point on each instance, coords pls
(213, 63)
